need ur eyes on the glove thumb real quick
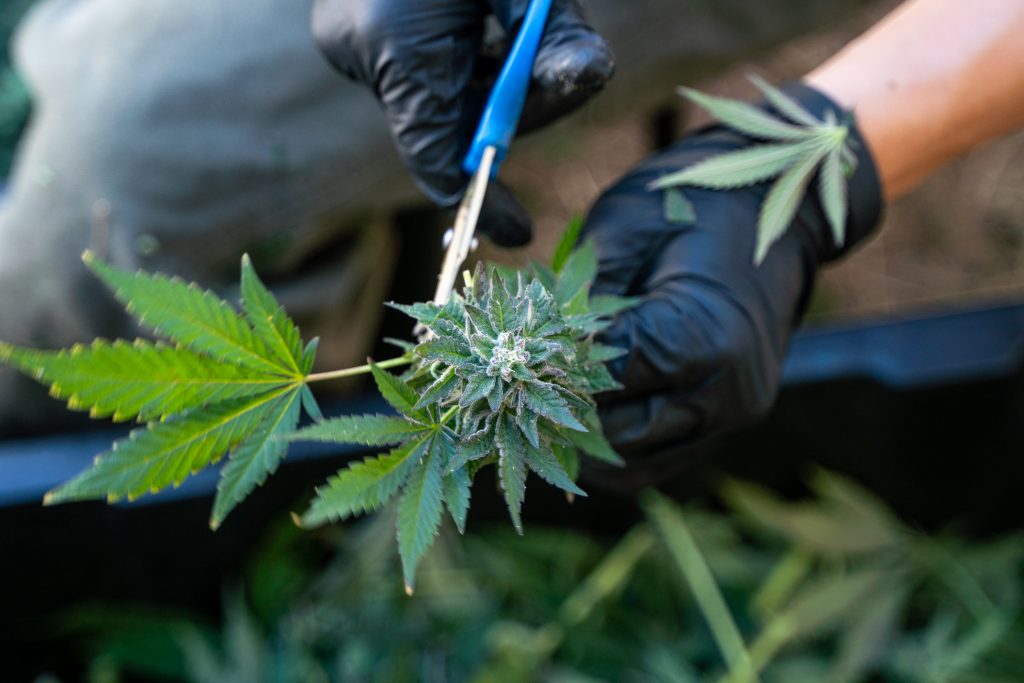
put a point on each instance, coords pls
(573, 62)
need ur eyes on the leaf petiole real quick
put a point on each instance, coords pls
(360, 370)
(450, 414)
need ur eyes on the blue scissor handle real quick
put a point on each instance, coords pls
(505, 105)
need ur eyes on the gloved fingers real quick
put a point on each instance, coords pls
(640, 427)
(503, 219)
(573, 63)
(675, 338)
(419, 58)
(545, 106)
(676, 418)
(627, 226)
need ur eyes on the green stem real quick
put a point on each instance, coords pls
(683, 549)
(361, 370)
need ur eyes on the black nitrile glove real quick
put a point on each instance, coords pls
(707, 341)
(422, 60)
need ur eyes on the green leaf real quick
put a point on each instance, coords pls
(693, 567)
(397, 393)
(256, 457)
(456, 496)
(566, 245)
(864, 643)
(833, 192)
(747, 118)
(545, 400)
(782, 202)
(449, 350)
(593, 443)
(407, 347)
(496, 397)
(443, 387)
(367, 430)
(547, 466)
(125, 380)
(829, 530)
(568, 458)
(309, 355)
(863, 513)
(831, 601)
(738, 169)
(786, 105)
(166, 453)
(269, 320)
(478, 387)
(364, 486)
(527, 421)
(610, 305)
(419, 512)
(476, 446)
(678, 209)
(601, 353)
(512, 468)
(579, 271)
(426, 313)
(598, 379)
(545, 275)
(310, 405)
(481, 321)
(190, 316)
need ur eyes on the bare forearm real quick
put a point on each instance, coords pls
(931, 81)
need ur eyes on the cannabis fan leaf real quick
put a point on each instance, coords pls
(506, 377)
(794, 148)
(228, 383)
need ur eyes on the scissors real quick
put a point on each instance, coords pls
(492, 140)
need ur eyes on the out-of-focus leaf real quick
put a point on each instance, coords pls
(831, 531)
(694, 569)
(864, 642)
(833, 193)
(783, 200)
(737, 169)
(831, 602)
(747, 118)
(679, 210)
(566, 245)
(786, 105)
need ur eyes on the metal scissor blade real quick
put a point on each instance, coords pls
(465, 227)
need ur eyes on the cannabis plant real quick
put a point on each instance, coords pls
(506, 377)
(789, 148)
(831, 588)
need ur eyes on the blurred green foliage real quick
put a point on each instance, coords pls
(833, 588)
(15, 102)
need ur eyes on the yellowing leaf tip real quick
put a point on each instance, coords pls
(408, 590)
(88, 256)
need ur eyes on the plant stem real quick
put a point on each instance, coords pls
(694, 568)
(361, 370)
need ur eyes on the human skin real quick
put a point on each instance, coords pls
(931, 81)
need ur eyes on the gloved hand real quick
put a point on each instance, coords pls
(707, 342)
(422, 60)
